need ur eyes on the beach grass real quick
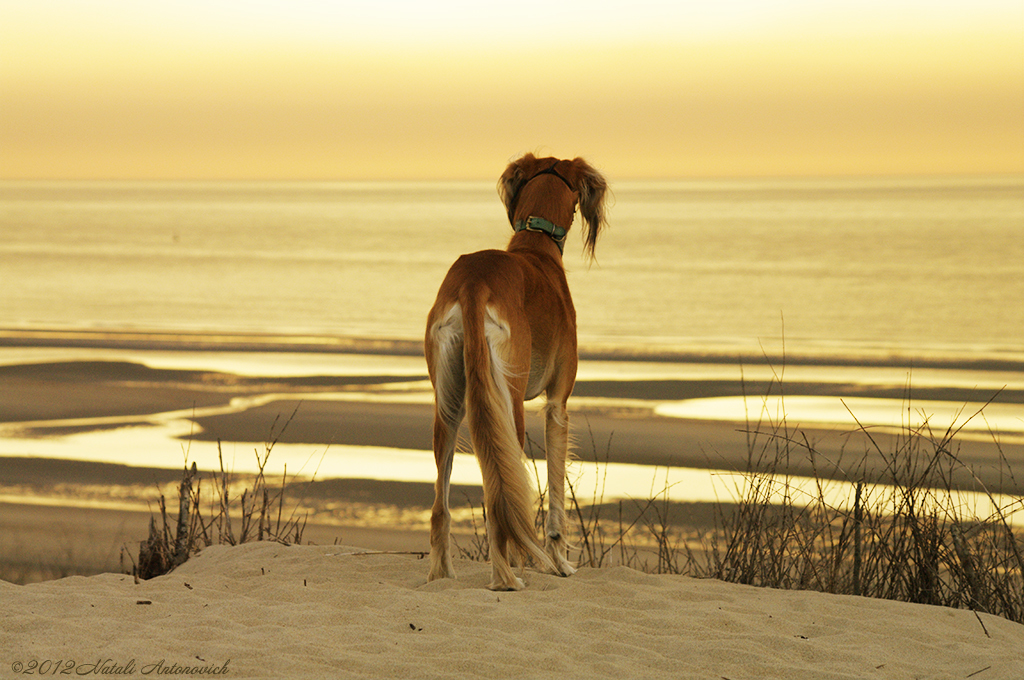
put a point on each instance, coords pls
(905, 534)
(909, 536)
(912, 540)
(258, 513)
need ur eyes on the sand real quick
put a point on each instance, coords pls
(267, 610)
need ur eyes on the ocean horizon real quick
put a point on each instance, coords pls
(844, 270)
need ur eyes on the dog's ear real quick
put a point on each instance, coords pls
(592, 189)
(513, 179)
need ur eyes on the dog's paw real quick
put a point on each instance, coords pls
(516, 584)
(440, 567)
(435, 576)
(556, 548)
(562, 566)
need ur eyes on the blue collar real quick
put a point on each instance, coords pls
(540, 224)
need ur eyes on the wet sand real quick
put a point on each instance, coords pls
(395, 411)
(384, 410)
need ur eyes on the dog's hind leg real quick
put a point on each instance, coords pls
(556, 441)
(440, 518)
(448, 375)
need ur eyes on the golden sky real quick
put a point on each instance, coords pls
(448, 89)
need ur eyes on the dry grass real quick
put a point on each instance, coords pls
(258, 514)
(911, 539)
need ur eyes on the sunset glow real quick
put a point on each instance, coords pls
(352, 90)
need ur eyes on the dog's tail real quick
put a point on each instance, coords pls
(508, 495)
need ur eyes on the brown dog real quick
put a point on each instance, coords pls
(503, 330)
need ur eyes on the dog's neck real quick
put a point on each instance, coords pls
(530, 221)
(543, 226)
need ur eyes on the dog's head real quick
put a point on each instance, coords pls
(587, 183)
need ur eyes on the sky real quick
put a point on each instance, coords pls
(453, 89)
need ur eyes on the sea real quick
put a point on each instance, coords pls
(840, 268)
(855, 272)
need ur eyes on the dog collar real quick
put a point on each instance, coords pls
(540, 224)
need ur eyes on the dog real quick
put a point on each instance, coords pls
(502, 331)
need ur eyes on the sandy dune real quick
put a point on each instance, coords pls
(267, 610)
